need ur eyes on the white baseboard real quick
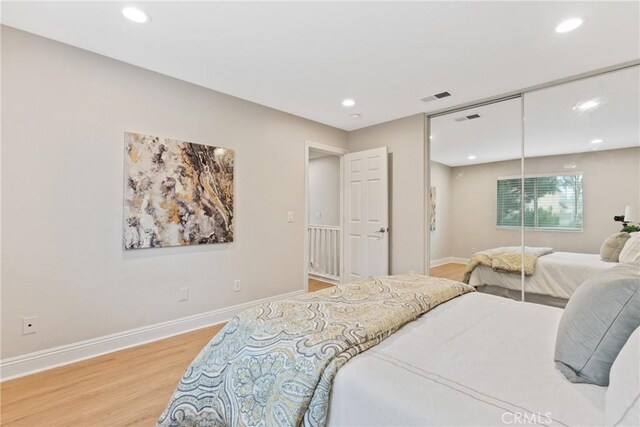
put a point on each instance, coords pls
(43, 360)
(449, 260)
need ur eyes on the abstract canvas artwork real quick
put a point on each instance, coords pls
(432, 209)
(176, 193)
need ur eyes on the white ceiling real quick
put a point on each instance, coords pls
(552, 125)
(305, 57)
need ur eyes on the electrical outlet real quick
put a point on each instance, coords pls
(184, 294)
(236, 286)
(289, 216)
(29, 325)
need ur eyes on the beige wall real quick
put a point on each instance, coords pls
(611, 180)
(64, 113)
(405, 141)
(324, 191)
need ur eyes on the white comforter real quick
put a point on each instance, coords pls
(558, 274)
(478, 360)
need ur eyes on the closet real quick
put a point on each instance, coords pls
(534, 179)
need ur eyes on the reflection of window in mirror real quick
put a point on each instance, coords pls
(552, 202)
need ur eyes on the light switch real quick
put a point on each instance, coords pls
(289, 216)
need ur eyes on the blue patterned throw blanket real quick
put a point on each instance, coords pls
(273, 365)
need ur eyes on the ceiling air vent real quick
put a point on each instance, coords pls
(436, 96)
(442, 95)
(465, 118)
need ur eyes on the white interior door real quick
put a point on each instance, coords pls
(367, 214)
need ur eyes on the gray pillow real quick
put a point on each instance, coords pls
(612, 246)
(597, 321)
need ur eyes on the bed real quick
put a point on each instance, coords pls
(557, 276)
(477, 360)
(472, 360)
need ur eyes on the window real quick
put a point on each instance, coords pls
(552, 202)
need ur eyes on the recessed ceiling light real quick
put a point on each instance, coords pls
(134, 14)
(587, 105)
(348, 102)
(471, 157)
(596, 141)
(355, 116)
(568, 25)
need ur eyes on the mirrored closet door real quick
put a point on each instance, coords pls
(582, 168)
(474, 219)
(530, 196)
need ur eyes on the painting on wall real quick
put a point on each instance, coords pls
(432, 209)
(176, 193)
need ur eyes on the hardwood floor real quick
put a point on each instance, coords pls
(126, 388)
(316, 285)
(451, 271)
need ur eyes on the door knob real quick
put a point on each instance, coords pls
(382, 230)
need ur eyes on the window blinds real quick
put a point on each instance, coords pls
(550, 202)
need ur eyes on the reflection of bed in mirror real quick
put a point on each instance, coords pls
(556, 277)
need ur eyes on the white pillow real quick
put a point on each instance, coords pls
(631, 250)
(622, 405)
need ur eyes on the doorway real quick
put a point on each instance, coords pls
(346, 234)
(324, 207)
